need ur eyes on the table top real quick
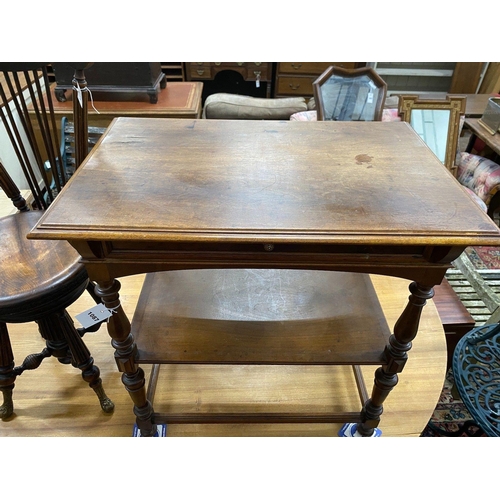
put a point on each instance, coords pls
(493, 141)
(177, 100)
(373, 183)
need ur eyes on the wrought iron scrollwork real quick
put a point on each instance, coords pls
(476, 368)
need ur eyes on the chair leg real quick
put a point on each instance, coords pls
(7, 375)
(59, 327)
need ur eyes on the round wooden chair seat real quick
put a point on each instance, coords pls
(36, 277)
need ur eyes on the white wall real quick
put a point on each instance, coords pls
(8, 156)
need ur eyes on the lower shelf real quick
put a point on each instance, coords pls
(276, 317)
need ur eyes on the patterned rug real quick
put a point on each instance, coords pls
(451, 418)
(484, 257)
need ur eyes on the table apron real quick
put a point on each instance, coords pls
(107, 269)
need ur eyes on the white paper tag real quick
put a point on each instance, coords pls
(370, 98)
(79, 96)
(93, 315)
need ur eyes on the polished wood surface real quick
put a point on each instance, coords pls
(239, 316)
(38, 276)
(68, 408)
(178, 100)
(478, 131)
(386, 189)
(215, 194)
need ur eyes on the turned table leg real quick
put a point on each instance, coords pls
(133, 376)
(386, 378)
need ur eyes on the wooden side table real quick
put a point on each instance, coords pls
(479, 132)
(177, 100)
(217, 196)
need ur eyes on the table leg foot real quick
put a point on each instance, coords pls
(351, 430)
(7, 375)
(7, 408)
(161, 431)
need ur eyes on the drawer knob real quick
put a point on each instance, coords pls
(296, 65)
(200, 71)
(268, 247)
(294, 87)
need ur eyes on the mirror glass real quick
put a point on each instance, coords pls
(350, 99)
(432, 126)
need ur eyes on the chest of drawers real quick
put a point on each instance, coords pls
(296, 78)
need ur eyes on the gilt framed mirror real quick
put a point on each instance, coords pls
(437, 122)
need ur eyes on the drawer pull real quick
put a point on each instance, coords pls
(200, 71)
(296, 65)
(294, 87)
(217, 64)
(268, 247)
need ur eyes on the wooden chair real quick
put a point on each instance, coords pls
(38, 280)
(349, 95)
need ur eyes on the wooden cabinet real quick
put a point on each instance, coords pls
(250, 71)
(296, 78)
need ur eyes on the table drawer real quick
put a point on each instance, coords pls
(262, 69)
(295, 85)
(310, 68)
(199, 70)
